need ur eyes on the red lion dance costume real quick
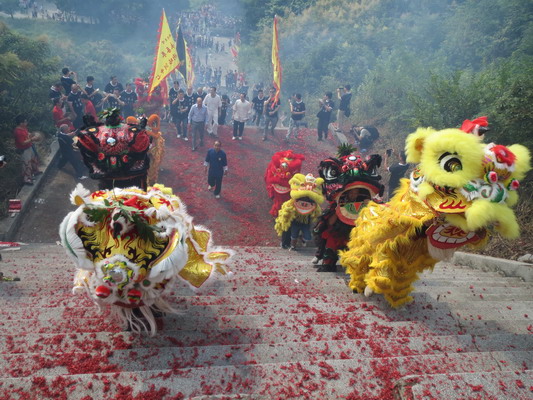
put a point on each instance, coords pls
(283, 166)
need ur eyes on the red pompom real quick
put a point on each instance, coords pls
(102, 292)
(514, 185)
(134, 296)
(492, 177)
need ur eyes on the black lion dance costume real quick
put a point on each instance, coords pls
(350, 182)
(115, 153)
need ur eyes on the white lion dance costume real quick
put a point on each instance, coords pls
(461, 190)
(128, 245)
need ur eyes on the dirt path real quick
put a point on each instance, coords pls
(240, 217)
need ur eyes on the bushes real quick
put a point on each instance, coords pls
(411, 63)
(28, 67)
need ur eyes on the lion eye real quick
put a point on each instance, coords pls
(450, 162)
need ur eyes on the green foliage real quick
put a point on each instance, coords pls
(121, 12)
(25, 69)
(258, 14)
(410, 62)
(511, 110)
(9, 7)
(447, 100)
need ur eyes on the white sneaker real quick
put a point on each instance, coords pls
(179, 136)
(209, 187)
(82, 177)
(240, 137)
(233, 138)
(315, 260)
(186, 138)
(368, 291)
(217, 196)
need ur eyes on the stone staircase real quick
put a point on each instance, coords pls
(276, 330)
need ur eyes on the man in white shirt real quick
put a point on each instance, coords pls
(242, 110)
(213, 102)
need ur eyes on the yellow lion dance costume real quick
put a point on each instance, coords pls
(302, 208)
(460, 191)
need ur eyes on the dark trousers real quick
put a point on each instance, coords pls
(257, 118)
(78, 122)
(70, 156)
(270, 124)
(286, 239)
(238, 128)
(222, 117)
(323, 128)
(109, 183)
(181, 126)
(197, 130)
(216, 181)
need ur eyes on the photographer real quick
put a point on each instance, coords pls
(345, 96)
(365, 136)
(397, 170)
(324, 115)
(68, 79)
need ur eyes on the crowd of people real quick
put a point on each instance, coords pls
(185, 108)
(205, 20)
(193, 112)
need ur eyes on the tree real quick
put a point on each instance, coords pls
(25, 64)
(9, 7)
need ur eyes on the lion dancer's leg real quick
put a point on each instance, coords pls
(335, 241)
(357, 263)
(393, 271)
(357, 267)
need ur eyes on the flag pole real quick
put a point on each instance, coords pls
(276, 63)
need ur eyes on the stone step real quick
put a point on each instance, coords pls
(298, 268)
(180, 335)
(431, 316)
(361, 378)
(424, 294)
(62, 342)
(14, 291)
(148, 358)
(275, 258)
(419, 310)
(480, 385)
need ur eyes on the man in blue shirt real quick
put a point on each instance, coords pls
(216, 166)
(197, 120)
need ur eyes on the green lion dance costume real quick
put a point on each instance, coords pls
(461, 190)
(129, 245)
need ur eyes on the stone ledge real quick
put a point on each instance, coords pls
(9, 225)
(487, 263)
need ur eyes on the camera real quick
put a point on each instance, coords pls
(389, 152)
